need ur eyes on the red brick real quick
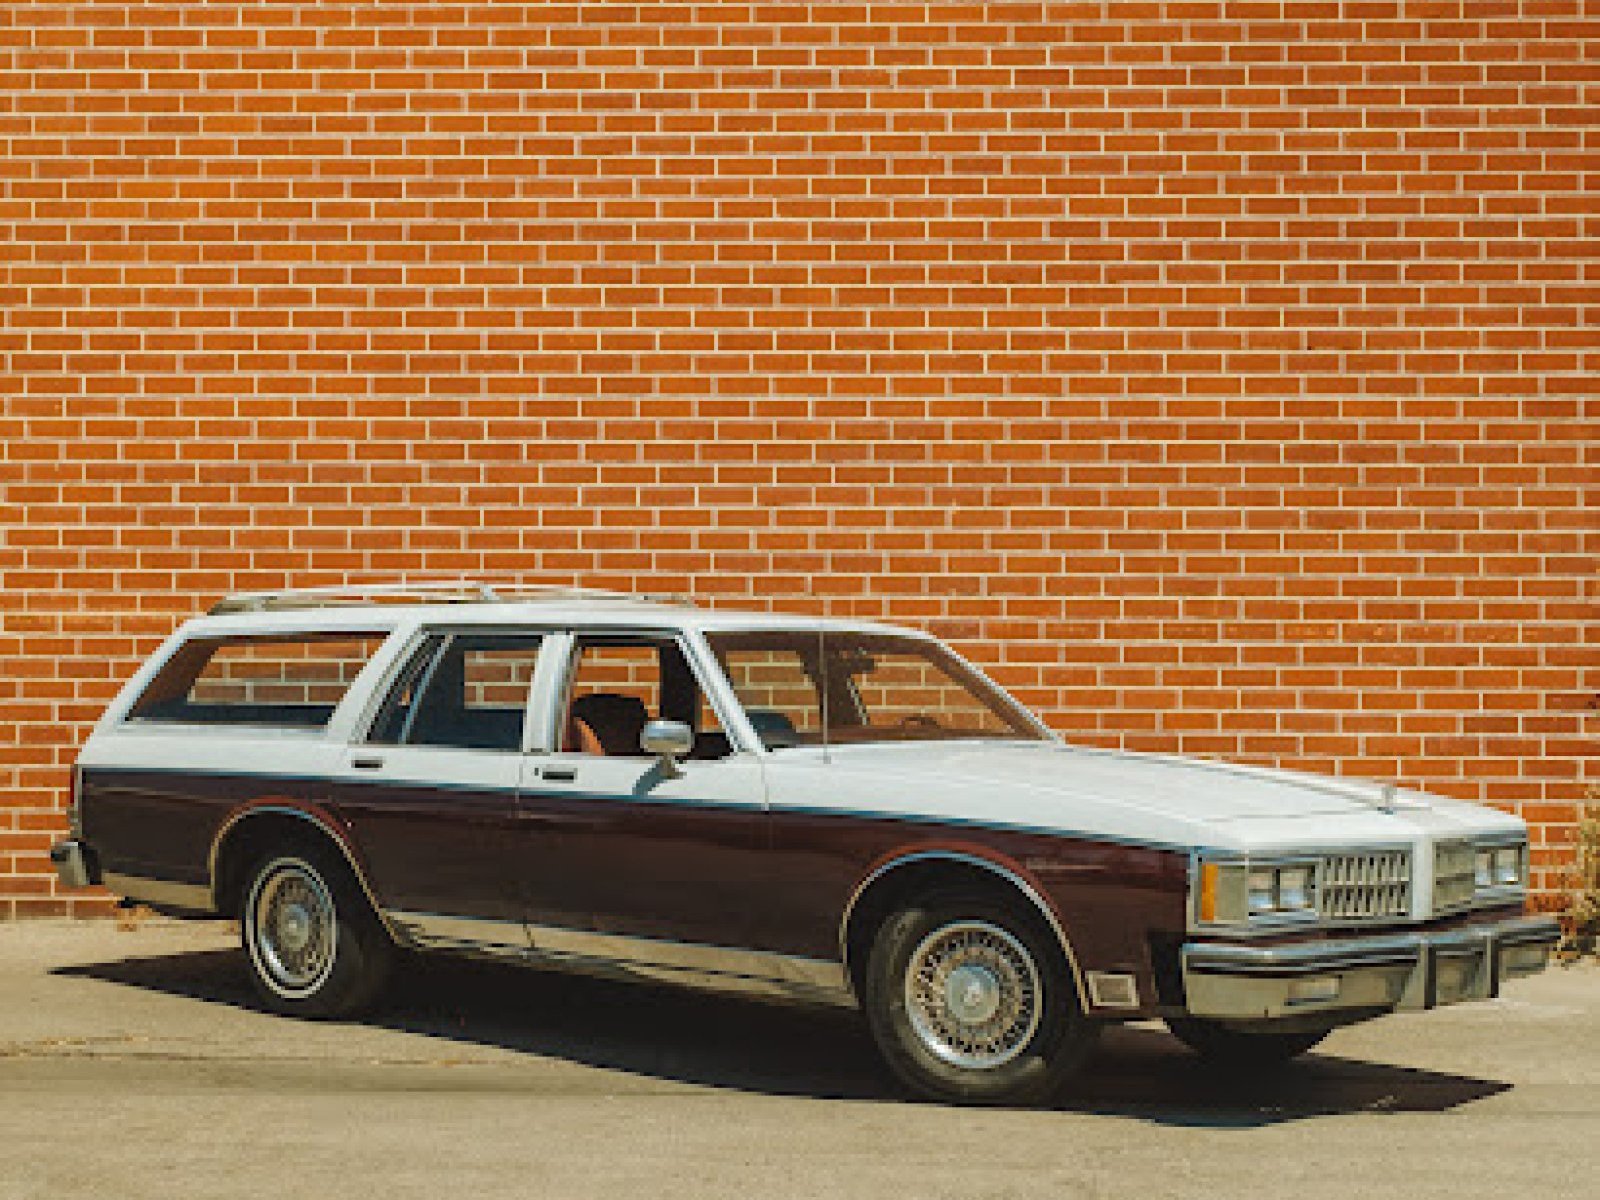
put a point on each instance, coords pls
(1225, 379)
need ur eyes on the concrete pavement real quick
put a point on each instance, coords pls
(132, 1065)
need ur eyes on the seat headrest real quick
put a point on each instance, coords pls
(616, 720)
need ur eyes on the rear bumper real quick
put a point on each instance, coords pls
(75, 864)
(1385, 973)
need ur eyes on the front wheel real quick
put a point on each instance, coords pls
(314, 946)
(1243, 1049)
(969, 1000)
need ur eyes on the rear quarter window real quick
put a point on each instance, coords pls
(276, 680)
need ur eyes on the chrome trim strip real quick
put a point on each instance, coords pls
(1301, 959)
(1541, 928)
(724, 968)
(690, 956)
(238, 818)
(1005, 873)
(761, 987)
(438, 929)
(163, 893)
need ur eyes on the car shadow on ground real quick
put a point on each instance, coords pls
(1139, 1071)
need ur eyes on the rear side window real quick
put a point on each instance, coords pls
(291, 681)
(462, 691)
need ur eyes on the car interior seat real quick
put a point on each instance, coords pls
(615, 720)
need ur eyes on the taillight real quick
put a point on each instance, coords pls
(75, 802)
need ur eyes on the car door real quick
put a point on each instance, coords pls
(641, 854)
(430, 791)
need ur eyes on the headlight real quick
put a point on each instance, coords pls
(1483, 877)
(1281, 889)
(1497, 867)
(1296, 888)
(1263, 891)
(1508, 866)
(1457, 873)
(1235, 893)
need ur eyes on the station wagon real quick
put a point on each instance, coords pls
(821, 811)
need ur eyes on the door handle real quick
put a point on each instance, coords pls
(366, 763)
(559, 774)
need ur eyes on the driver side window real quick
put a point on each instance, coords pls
(621, 683)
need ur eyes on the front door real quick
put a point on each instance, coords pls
(431, 793)
(642, 855)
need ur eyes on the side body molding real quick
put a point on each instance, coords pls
(971, 860)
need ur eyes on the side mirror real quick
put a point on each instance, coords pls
(669, 741)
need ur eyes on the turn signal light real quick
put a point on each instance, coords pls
(1208, 891)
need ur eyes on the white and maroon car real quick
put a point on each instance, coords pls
(819, 810)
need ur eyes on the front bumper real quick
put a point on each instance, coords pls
(1369, 975)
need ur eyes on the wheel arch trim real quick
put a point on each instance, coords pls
(1007, 874)
(328, 830)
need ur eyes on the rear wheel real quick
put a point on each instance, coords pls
(1245, 1049)
(313, 944)
(969, 1000)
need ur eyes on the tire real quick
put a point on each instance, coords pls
(970, 1000)
(312, 943)
(1241, 1049)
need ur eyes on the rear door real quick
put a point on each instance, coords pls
(430, 789)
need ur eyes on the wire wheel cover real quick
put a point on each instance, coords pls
(293, 927)
(973, 994)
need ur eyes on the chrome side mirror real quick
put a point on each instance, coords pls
(669, 741)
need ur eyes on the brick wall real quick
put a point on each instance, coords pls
(1222, 374)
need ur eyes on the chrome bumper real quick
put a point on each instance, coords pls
(74, 864)
(1422, 969)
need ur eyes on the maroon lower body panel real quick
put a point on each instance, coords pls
(773, 880)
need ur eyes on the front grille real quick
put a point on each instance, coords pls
(1365, 887)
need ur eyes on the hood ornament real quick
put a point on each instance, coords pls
(1390, 800)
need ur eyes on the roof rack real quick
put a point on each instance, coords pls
(432, 591)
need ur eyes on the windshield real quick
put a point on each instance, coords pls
(796, 685)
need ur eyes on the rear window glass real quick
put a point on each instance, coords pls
(288, 681)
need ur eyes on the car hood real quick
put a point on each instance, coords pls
(1155, 798)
